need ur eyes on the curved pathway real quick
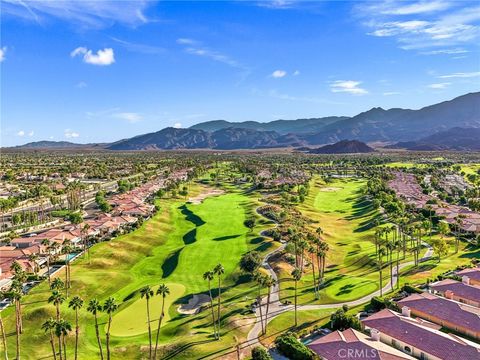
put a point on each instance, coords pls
(276, 307)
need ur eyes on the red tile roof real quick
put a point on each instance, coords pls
(429, 341)
(458, 288)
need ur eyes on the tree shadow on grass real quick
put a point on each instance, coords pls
(190, 237)
(171, 263)
(227, 237)
(257, 240)
(263, 247)
(190, 216)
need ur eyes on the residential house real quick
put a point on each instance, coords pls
(458, 291)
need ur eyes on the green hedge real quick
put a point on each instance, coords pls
(289, 346)
(260, 353)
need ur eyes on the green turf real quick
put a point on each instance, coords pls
(132, 320)
(166, 249)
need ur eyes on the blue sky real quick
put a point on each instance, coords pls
(98, 71)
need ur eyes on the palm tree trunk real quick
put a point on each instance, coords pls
(48, 270)
(213, 312)
(149, 329)
(98, 337)
(52, 343)
(296, 322)
(158, 329)
(64, 347)
(4, 337)
(77, 329)
(259, 300)
(219, 305)
(266, 310)
(108, 336)
(60, 351)
(20, 316)
(17, 323)
(314, 279)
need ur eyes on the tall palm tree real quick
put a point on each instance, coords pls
(76, 304)
(46, 243)
(4, 337)
(162, 290)
(33, 258)
(62, 328)
(16, 295)
(209, 276)
(67, 249)
(147, 292)
(219, 270)
(269, 281)
(259, 278)
(57, 299)
(381, 253)
(94, 307)
(297, 275)
(110, 306)
(49, 326)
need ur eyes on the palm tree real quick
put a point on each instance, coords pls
(67, 249)
(16, 295)
(4, 337)
(46, 243)
(269, 281)
(259, 278)
(297, 275)
(49, 326)
(57, 284)
(209, 276)
(381, 253)
(147, 292)
(57, 299)
(62, 328)
(76, 304)
(33, 258)
(162, 290)
(219, 270)
(110, 306)
(94, 307)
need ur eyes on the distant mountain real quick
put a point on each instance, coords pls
(50, 145)
(299, 126)
(378, 124)
(457, 138)
(226, 139)
(344, 147)
(374, 125)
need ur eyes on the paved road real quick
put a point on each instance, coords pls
(276, 307)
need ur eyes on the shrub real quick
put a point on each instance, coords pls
(377, 303)
(341, 321)
(289, 346)
(250, 261)
(260, 353)
(411, 289)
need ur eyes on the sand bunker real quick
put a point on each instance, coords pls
(330, 189)
(198, 199)
(194, 304)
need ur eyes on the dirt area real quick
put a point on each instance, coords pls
(330, 189)
(199, 198)
(194, 304)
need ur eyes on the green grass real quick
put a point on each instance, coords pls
(307, 319)
(345, 217)
(166, 249)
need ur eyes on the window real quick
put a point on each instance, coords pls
(407, 350)
(423, 356)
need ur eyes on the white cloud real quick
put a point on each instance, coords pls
(31, 133)
(460, 75)
(81, 85)
(102, 57)
(279, 74)
(296, 73)
(140, 48)
(131, 117)
(390, 93)
(446, 51)
(21, 133)
(186, 41)
(69, 134)
(423, 24)
(177, 125)
(348, 86)
(3, 51)
(416, 8)
(439, 86)
(276, 4)
(83, 14)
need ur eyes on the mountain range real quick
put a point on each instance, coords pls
(375, 125)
